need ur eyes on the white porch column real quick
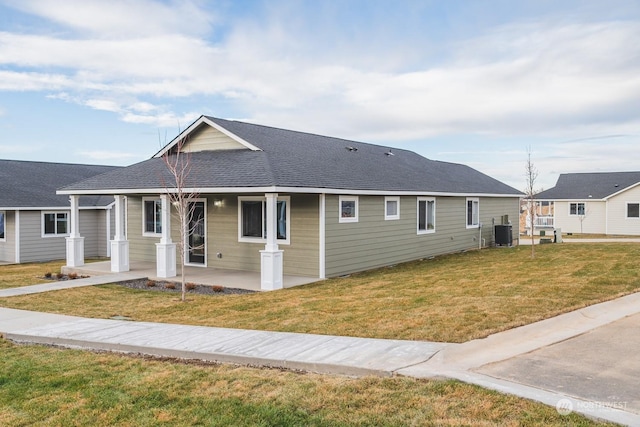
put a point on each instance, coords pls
(119, 244)
(271, 257)
(166, 249)
(75, 242)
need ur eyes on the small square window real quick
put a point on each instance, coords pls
(391, 208)
(633, 210)
(348, 209)
(55, 224)
(577, 208)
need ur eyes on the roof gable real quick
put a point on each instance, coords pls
(585, 186)
(206, 135)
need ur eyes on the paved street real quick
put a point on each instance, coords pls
(602, 366)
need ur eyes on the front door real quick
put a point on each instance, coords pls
(196, 234)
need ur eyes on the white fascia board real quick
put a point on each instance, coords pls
(42, 208)
(50, 208)
(574, 200)
(621, 191)
(276, 189)
(194, 126)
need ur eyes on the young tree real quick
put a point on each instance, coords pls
(531, 174)
(179, 164)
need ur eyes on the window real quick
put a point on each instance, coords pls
(348, 209)
(391, 208)
(633, 210)
(152, 217)
(473, 213)
(252, 218)
(55, 224)
(426, 215)
(577, 208)
(2, 225)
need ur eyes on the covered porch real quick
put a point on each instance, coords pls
(216, 252)
(248, 280)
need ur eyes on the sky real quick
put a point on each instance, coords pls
(478, 82)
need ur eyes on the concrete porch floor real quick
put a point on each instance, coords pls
(200, 275)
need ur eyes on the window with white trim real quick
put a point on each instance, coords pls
(55, 224)
(633, 210)
(151, 217)
(3, 217)
(577, 208)
(391, 208)
(348, 206)
(252, 219)
(473, 213)
(426, 215)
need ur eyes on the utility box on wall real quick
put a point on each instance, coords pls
(504, 235)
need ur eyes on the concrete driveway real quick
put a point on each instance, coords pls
(601, 366)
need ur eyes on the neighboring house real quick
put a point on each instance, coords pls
(34, 221)
(280, 202)
(600, 203)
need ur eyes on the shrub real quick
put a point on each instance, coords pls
(170, 286)
(217, 288)
(151, 283)
(48, 275)
(59, 276)
(73, 276)
(190, 286)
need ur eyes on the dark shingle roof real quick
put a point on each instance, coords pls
(297, 159)
(583, 186)
(25, 184)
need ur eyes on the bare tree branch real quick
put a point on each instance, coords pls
(179, 165)
(531, 175)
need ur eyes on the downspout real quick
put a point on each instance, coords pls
(480, 235)
(322, 246)
(17, 235)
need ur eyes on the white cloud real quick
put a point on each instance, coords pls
(123, 18)
(565, 79)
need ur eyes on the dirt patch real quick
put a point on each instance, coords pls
(176, 287)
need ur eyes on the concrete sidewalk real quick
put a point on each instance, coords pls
(56, 285)
(316, 353)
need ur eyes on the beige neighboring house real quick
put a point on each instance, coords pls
(35, 222)
(281, 202)
(594, 203)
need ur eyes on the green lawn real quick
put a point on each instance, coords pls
(15, 275)
(42, 386)
(453, 298)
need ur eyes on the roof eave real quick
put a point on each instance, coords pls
(283, 189)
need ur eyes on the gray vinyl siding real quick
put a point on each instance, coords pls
(34, 247)
(7, 246)
(90, 229)
(104, 239)
(301, 257)
(375, 242)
